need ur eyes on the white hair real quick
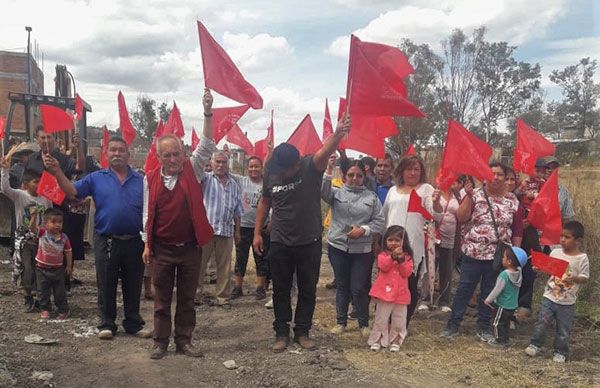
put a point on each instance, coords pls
(168, 136)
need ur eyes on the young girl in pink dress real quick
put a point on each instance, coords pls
(391, 292)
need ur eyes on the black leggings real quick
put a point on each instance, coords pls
(242, 252)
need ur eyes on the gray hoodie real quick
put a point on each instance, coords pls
(352, 206)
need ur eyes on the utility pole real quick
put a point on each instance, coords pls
(28, 29)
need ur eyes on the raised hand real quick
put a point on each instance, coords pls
(207, 101)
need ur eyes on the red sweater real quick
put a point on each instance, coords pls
(172, 220)
(194, 207)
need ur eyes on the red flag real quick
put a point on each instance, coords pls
(152, 158)
(550, 265)
(225, 118)
(411, 150)
(327, 125)
(127, 130)
(415, 206)
(195, 139)
(103, 158)
(2, 125)
(305, 137)
(529, 148)
(55, 119)
(545, 212)
(237, 137)
(375, 85)
(221, 74)
(464, 153)
(48, 188)
(78, 107)
(261, 147)
(174, 124)
(368, 133)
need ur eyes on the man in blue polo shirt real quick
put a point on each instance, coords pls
(383, 177)
(118, 196)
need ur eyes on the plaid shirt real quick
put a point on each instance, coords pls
(223, 203)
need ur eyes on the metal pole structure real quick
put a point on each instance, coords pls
(28, 29)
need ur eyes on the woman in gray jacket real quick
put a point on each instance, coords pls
(355, 218)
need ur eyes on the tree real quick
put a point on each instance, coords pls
(144, 118)
(504, 86)
(164, 111)
(581, 95)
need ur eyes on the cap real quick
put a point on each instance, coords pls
(283, 157)
(552, 159)
(521, 255)
(540, 163)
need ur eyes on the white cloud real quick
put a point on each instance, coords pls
(233, 16)
(511, 20)
(258, 52)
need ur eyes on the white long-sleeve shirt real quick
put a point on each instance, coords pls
(23, 201)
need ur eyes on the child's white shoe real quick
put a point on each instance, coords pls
(394, 348)
(376, 347)
(423, 307)
(559, 358)
(532, 350)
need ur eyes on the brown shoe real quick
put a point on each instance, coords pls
(305, 342)
(158, 352)
(281, 343)
(189, 350)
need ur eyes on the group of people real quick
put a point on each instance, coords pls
(173, 221)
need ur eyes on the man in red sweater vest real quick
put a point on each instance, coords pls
(175, 229)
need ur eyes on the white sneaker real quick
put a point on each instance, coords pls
(394, 348)
(423, 307)
(338, 329)
(446, 309)
(559, 358)
(105, 334)
(269, 304)
(376, 347)
(532, 350)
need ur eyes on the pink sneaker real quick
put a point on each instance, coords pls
(45, 314)
(63, 316)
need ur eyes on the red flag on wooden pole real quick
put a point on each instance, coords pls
(464, 153)
(195, 139)
(78, 107)
(237, 137)
(55, 119)
(375, 85)
(327, 125)
(174, 124)
(221, 74)
(127, 130)
(415, 205)
(261, 147)
(529, 148)
(103, 158)
(225, 118)
(545, 212)
(305, 137)
(48, 188)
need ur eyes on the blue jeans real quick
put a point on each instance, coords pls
(473, 271)
(563, 314)
(352, 274)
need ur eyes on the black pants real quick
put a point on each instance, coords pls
(531, 241)
(242, 251)
(305, 261)
(52, 281)
(501, 323)
(119, 259)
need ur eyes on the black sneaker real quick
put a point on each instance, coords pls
(261, 293)
(353, 315)
(236, 292)
(449, 331)
(484, 334)
(28, 304)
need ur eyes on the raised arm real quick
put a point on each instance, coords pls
(322, 155)
(5, 180)
(80, 161)
(201, 155)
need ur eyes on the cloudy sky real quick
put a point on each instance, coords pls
(294, 53)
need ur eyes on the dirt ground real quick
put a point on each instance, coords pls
(244, 334)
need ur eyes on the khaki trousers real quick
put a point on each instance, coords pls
(222, 248)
